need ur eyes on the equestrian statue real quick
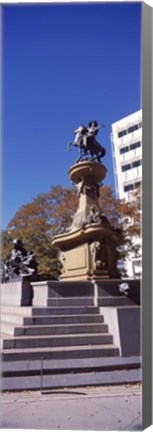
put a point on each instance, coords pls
(85, 140)
(20, 263)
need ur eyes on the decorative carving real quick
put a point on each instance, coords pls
(97, 253)
(62, 259)
(88, 189)
(81, 187)
(96, 216)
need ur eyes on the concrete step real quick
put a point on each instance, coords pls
(56, 340)
(70, 380)
(65, 319)
(15, 319)
(16, 310)
(55, 319)
(9, 329)
(52, 353)
(53, 329)
(114, 301)
(46, 310)
(64, 310)
(33, 367)
(70, 301)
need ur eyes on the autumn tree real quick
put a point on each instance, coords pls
(126, 216)
(123, 214)
(36, 223)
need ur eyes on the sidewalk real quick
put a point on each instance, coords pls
(84, 408)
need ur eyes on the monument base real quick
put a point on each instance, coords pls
(88, 261)
(88, 253)
(78, 265)
(16, 293)
(124, 325)
(88, 248)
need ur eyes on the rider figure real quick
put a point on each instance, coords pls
(93, 128)
(92, 131)
(82, 133)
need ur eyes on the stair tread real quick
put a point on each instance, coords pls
(58, 364)
(10, 324)
(57, 336)
(71, 298)
(126, 306)
(36, 326)
(54, 316)
(6, 336)
(71, 380)
(113, 297)
(65, 307)
(28, 310)
(42, 327)
(63, 348)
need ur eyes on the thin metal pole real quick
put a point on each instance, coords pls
(41, 374)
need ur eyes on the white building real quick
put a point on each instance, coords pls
(126, 141)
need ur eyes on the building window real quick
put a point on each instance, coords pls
(132, 146)
(122, 133)
(133, 128)
(137, 184)
(126, 167)
(129, 130)
(124, 150)
(128, 188)
(135, 145)
(136, 163)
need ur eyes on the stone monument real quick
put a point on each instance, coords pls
(89, 292)
(88, 246)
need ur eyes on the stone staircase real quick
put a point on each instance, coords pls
(65, 342)
(55, 331)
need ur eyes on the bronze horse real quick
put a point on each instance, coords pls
(87, 143)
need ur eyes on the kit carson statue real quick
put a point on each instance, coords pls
(85, 140)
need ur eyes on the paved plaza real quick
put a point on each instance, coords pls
(82, 408)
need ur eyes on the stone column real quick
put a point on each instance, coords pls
(88, 246)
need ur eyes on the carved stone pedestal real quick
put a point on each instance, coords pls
(88, 247)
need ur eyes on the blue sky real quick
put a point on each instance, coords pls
(63, 65)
